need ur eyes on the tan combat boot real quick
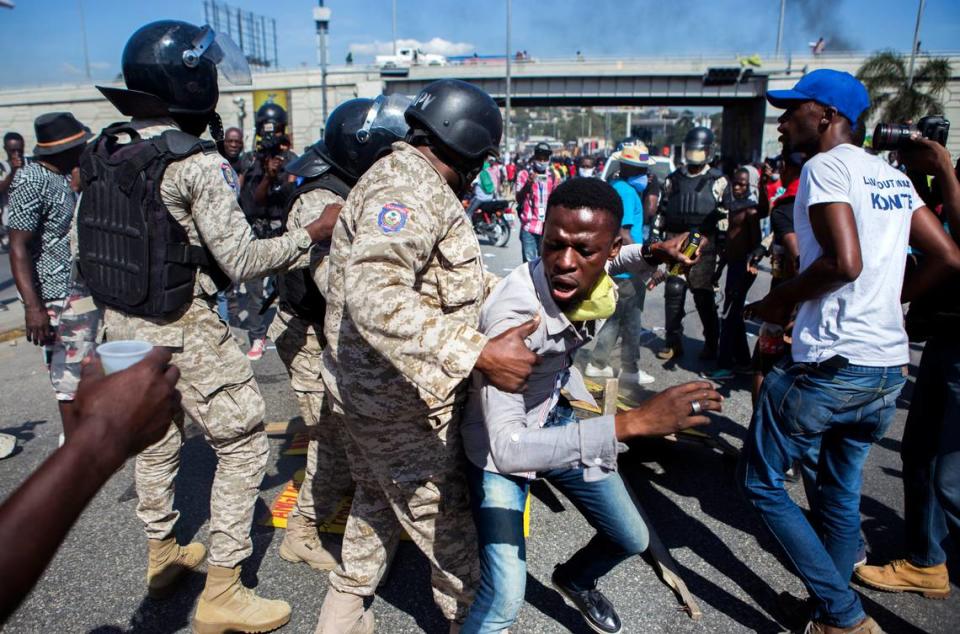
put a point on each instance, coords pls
(301, 542)
(226, 605)
(166, 561)
(902, 576)
(343, 613)
(866, 626)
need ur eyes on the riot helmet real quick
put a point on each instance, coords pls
(357, 133)
(172, 67)
(461, 122)
(270, 119)
(698, 146)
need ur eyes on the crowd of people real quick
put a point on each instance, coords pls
(434, 391)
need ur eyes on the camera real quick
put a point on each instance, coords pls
(893, 136)
(271, 144)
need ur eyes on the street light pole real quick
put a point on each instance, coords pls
(783, 7)
(321, 16)
(916, 39)
(83, 32)
(394, 28)
(506, 134)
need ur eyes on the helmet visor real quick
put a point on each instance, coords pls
(221, 50)
(386, 114)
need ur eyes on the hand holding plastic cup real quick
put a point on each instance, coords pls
(120, 355)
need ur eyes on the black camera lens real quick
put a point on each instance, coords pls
(889, 136)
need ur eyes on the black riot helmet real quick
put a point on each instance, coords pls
(172, 67)
(463, 119)
(698, 146)
(357, 133)
(271, 119)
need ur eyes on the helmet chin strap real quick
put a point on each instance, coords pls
(216, 126)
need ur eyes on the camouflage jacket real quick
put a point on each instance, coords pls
(404, 289)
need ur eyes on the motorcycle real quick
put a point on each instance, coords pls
(490, 222)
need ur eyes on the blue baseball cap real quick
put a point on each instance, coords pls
(828, 87)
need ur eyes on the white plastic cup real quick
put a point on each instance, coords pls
(120, 355)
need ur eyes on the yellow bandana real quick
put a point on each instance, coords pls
(601, 303)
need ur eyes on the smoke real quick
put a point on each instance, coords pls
(820, 18)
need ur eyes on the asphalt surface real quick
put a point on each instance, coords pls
(96, 582)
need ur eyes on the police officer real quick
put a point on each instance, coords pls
(159, 228)
(691, 202)
(404, 290)
(358, 132)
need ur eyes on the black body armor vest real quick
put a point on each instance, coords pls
(134, 256)
(297, 290)
(691, 202)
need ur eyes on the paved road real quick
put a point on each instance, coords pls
(96, 583)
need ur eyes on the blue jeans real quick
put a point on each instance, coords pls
(838, 413)
(931, 456)
(625, 322)
(530, 245)
(497, 502)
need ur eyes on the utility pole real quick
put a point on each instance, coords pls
(783, 7)
(916, 39)
(321, 16)
(506, 132)
(394, 28)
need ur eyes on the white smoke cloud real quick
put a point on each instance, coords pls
(437, 45)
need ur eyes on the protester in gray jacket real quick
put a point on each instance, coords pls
(512, 438)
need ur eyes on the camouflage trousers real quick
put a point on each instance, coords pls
(409, 475)
(327, 478)
(75, 319)
(222, 397)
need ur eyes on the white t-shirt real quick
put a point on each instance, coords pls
(862, 320)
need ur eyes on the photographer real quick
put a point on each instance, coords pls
(264, 189)
(931, 439)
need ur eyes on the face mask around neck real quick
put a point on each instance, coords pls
(601, 303)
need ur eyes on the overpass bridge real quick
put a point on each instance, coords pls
(749, 125)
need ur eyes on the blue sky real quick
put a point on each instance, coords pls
(40, 40)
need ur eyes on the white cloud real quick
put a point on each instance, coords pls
(72, 69)
(436, 45)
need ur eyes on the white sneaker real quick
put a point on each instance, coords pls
(256, 349)
(606, 372)
(639, 377)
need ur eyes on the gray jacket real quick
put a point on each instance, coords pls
(503, 432)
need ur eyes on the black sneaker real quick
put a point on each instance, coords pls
(596, 610)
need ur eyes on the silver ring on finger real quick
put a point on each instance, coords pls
(696, 407)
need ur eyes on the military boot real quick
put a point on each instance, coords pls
(226, 605)
(902, 576)
(343, 613)
(866, 626)
(301, 543)
(166, 561)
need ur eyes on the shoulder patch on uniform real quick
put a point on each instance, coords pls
(393, 217)
(230, 176)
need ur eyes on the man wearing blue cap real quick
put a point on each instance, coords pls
(854, 216)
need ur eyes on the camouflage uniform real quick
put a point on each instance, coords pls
(300, 346)
(216, 380)
(404, 290)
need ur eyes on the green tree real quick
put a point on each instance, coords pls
(885, 76)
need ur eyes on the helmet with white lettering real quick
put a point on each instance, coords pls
(462, 118)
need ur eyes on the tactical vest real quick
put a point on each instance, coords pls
(134, 256)
(297, 290)
(690, 203)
